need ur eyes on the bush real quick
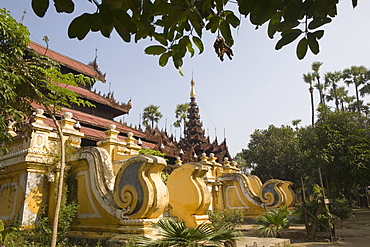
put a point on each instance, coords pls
(5, 233)
(232, 218)
(273, 222)
(40, 234)
(172, 233)
(325, 216)
(342, 209)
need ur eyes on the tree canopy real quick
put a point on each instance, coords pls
(337, 143)
(13, 45)
(25, 78)
(178, 25)
(28, 77)
(339, 146)
(274, 153)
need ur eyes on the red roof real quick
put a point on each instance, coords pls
(95, 121)
(66, 61)
(98, 135)
(87, 94)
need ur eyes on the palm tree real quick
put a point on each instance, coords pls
(181, 114)
(366, 88)
(356, 75)
(354, 107)
(333, 78)
(308, 78)
(151, 114)
(349, 101)
(342, 93)
(296, 122)
(176, 234)
(325, 88)
(315, 66)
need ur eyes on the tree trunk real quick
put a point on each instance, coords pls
(320, 90)
(357, 97)
(335, 96)
(312, 107)
(60, 185)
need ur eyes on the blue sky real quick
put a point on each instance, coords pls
(259, 87)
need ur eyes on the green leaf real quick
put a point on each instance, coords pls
(177, 61)
(160, 38)
(286, 26)
(122, 31)
(233, 20)
(293, 11)
(40, 7)
(125, 20)
(318, 34)
(318, 22)
(287, 38)
(326, 8)
(163, 59)
(262, 11)
(123, 24)
(96, 22)
(155, 50)
(309, 8)
(179, 50)
(66, 6)
(106, 30)
(206, 5)
(80, 26)
(142, 33)
(198, 42)
(190, 49)
(184, 41)
(273, 24)
(213, 22)
(313, 44)
(302, 48)
(246, 6)
(107, 16)
(196, 21)
(226, 33)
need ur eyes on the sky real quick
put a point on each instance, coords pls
(259, 87)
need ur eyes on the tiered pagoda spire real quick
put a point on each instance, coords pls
(195, 142)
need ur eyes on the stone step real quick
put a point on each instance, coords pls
(262, 242)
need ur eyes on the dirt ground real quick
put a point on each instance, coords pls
(355, 233)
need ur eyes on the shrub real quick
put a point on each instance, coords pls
(152, 152)
(342, 209)
(325, 216)
(273, 222)
(4, 233)
(232, 218)
(176, 234)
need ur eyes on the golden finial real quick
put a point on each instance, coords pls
(192, 92)
(24, 15)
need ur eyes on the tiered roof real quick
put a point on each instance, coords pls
(195, 143)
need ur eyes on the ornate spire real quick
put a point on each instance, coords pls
(192, 91)
(194, 143)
